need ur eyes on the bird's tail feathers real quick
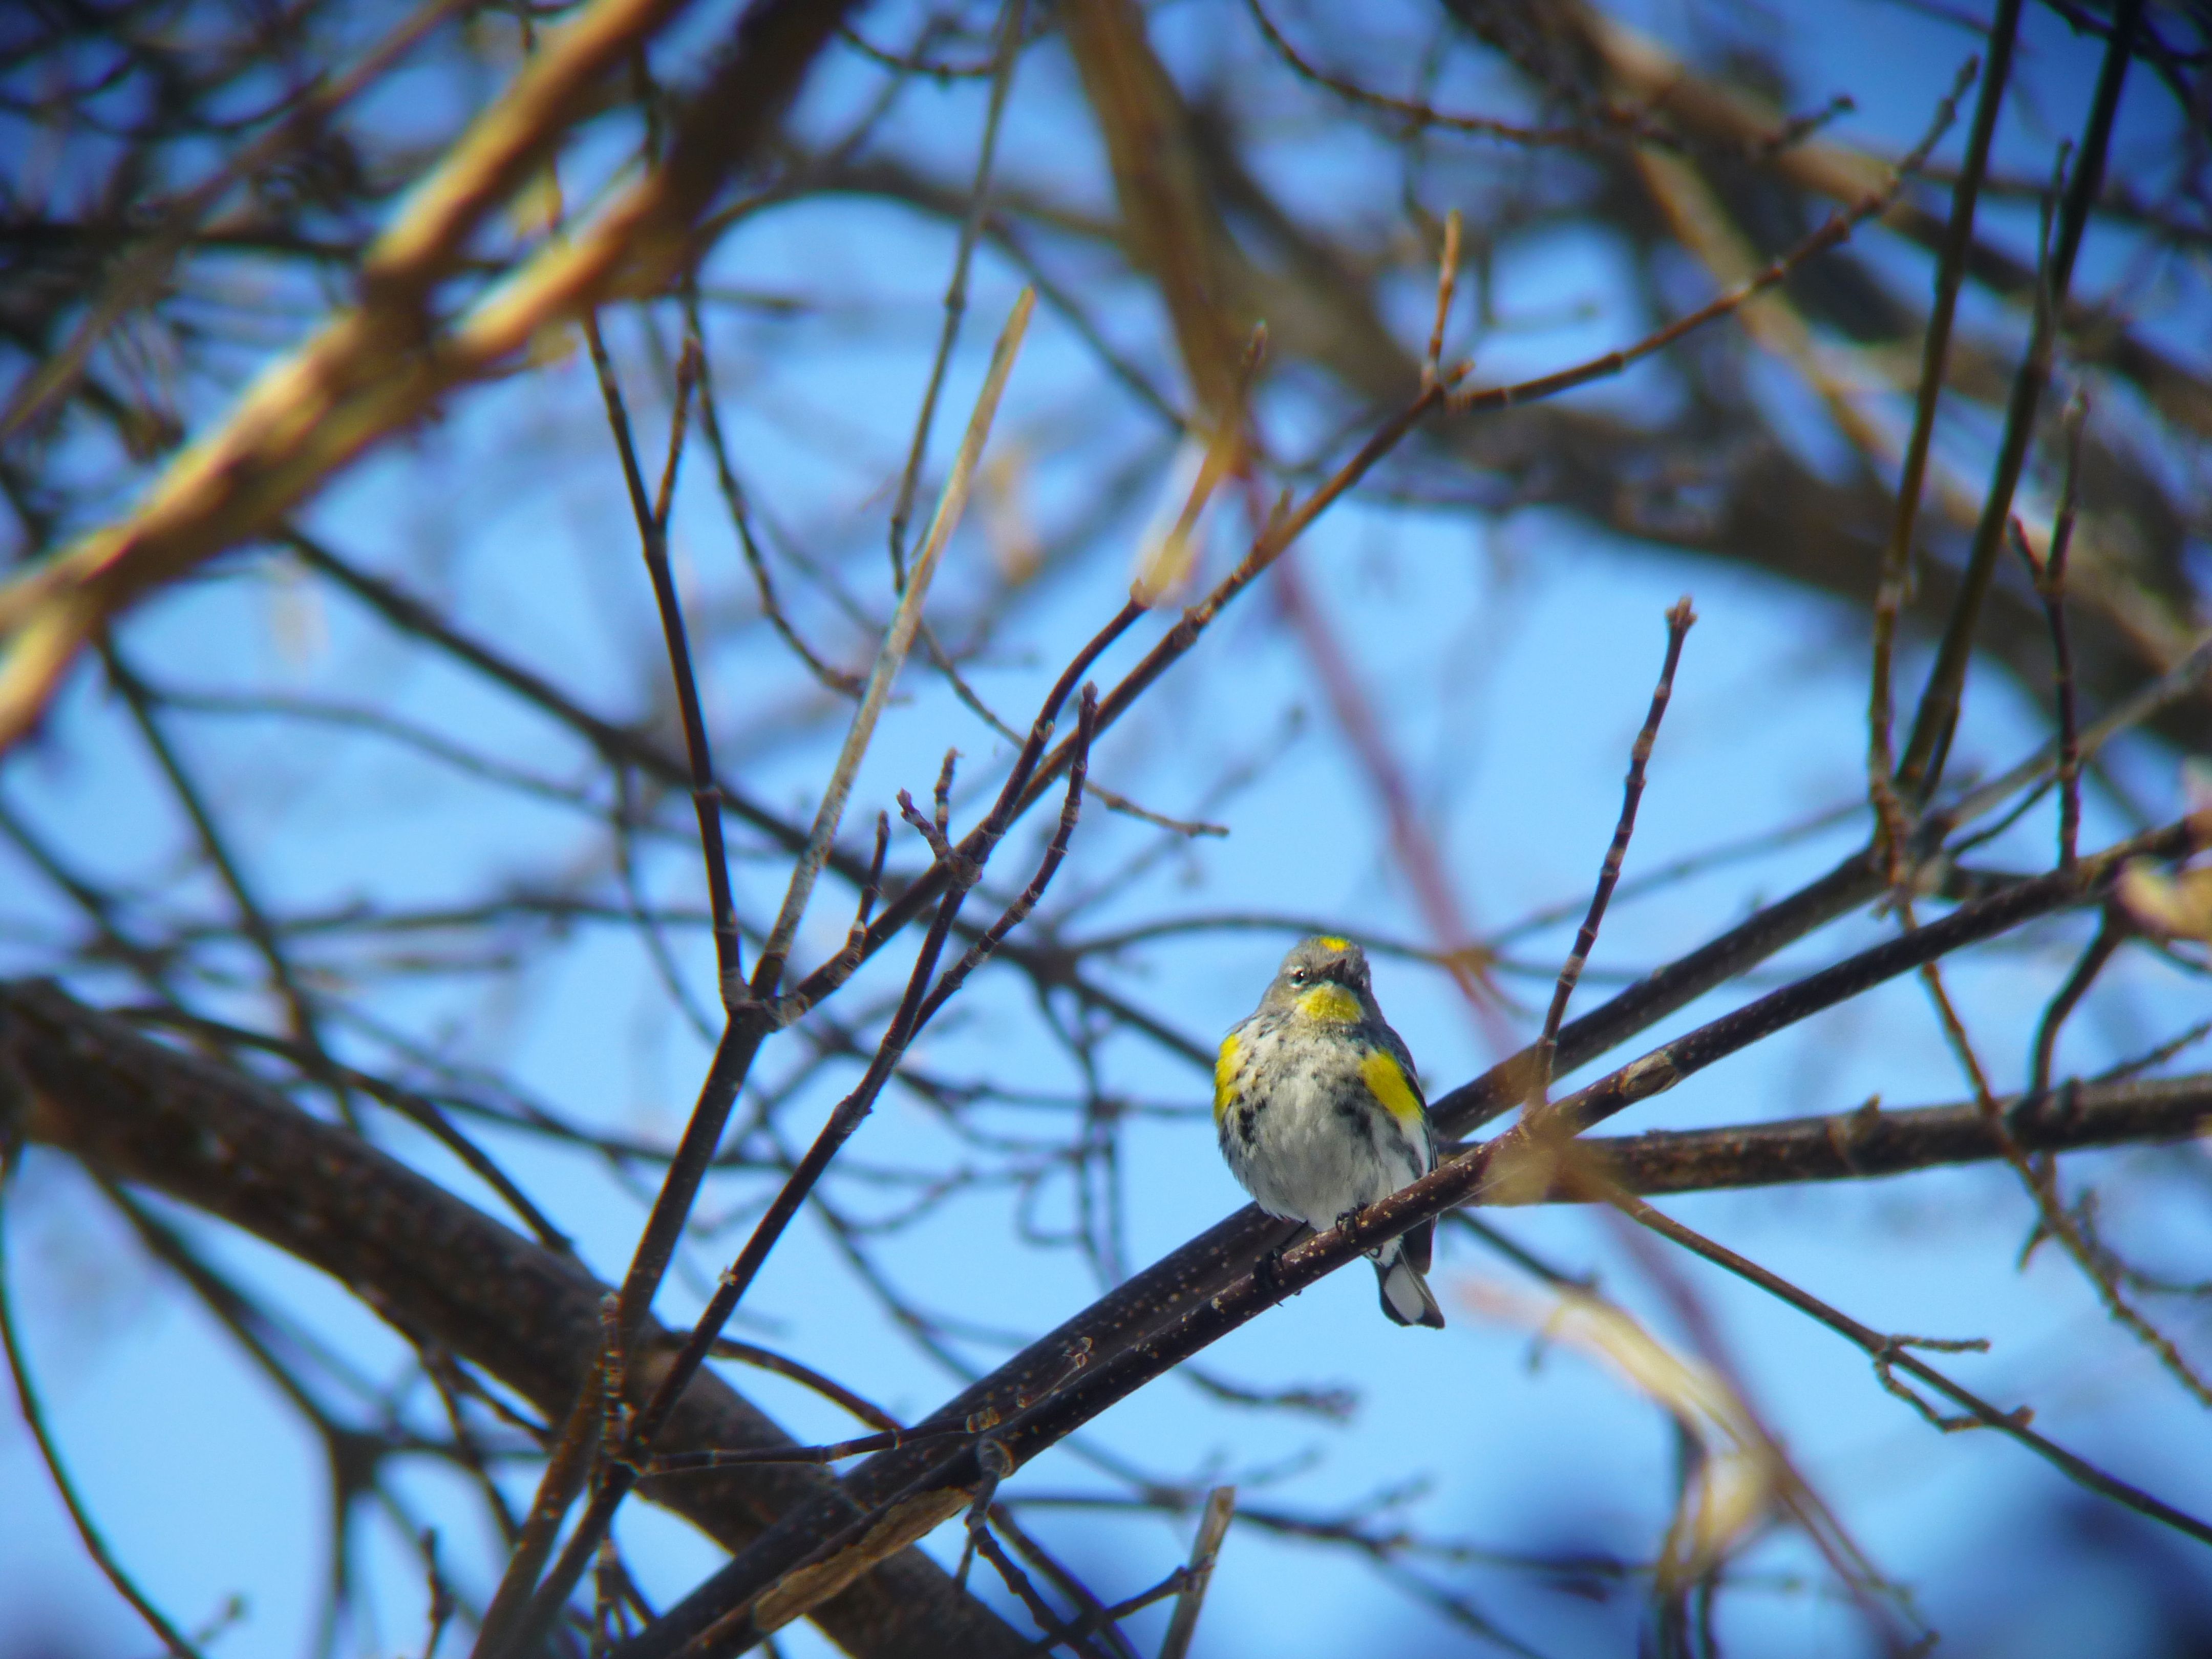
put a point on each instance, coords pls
(1406, 1298)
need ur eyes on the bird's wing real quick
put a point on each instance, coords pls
(1396, 1046)
(1224, 1072)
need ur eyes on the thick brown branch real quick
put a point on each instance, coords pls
(1869, 1142)
(440, 1272)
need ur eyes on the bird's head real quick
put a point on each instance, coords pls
(1325, 979)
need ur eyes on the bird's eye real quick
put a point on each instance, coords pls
(1298, 975)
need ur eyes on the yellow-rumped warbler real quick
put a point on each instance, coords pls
(1320, 1113)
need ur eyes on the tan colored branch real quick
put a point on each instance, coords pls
(1644, 73)
(382, 365)
(1700, 222)
(1171, 226)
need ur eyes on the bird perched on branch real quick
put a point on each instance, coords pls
(1320, 1113)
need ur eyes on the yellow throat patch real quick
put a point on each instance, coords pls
(1330, 1003)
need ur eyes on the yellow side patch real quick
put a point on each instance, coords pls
(1332, 1003)
(1386, 1081)
(1225, 1075)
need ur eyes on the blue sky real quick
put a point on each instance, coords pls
(1511, 659)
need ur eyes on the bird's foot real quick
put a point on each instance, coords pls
(1268, 1274)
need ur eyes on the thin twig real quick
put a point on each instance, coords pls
(698, 1463)
(34, 1418)
(140, 276)
(1936, 718)
(411, 1104)
(2050, 576)
(1447, 280)
(1934, 355)
(982, 1515)
(891, 656)
(1213, 1527)
(1836, 230)
(652, 517)
(733, 499)
(841, 967)
(2115, 933)
(1417, 117)
(1003, 54)
(2153, 699)
(1680, 619)
(515, 1612)
(1025, 781)
(442, 1604)
(253, 917)
(1012, 915)
(1104, 1619)
(512, 1614)
(747, 1353)
(1889, 1351)
(2054, 1219)
(1098, 1619)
